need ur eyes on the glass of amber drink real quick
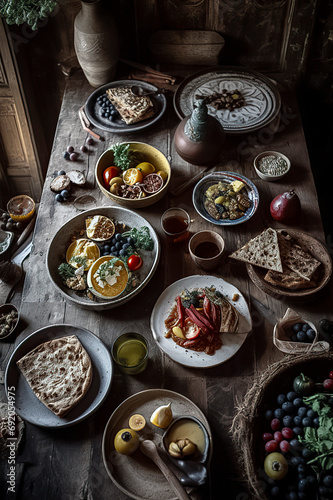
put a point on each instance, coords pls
(175, 224)
(130, 353)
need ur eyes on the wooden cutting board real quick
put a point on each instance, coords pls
(186, 47)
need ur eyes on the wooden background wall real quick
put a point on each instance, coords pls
(290, 37)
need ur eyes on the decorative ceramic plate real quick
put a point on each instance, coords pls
(316, 249)
(262, 99)
(231, 342)
(201, 187)
(94, 111)
(28, 406)
(62, 239)
(136, 475)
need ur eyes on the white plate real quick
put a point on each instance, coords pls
(231, 341)
(30, 408)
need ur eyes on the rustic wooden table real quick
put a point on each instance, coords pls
(67, 463)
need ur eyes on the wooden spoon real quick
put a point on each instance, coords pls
(149, 449)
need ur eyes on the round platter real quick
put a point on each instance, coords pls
(316, 249)
(201, 187)
(262, 99)
(28, 406)
(62, 239)
(93, 110)
(232, 342)
(136, 475)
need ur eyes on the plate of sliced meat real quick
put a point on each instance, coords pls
(200, 321)
(114, 108)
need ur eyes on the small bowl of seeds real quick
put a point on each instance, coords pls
(271, 165)
(9, 318)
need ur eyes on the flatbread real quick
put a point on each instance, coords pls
(289, 280)
(297, 258)
(59, 372)
(131, 108)
(229, 317)
(262, 251)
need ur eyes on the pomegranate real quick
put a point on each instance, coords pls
(286, 207)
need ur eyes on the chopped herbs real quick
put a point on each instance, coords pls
(66, 271)
(29, 11)
(81, 261)
(122, 156)
(141, 238)
(214, 295)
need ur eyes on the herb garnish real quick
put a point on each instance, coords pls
(122, 156)
(141, 237)
(320, 440)
(66, 271)
(81, 261)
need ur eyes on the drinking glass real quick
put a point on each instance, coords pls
(130, 353)
(175, 224)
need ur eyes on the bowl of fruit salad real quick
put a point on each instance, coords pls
(285, 429)
(133, 174)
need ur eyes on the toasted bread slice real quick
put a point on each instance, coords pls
(131, 108)
(289, 280)
(262, 251)
(296, 258)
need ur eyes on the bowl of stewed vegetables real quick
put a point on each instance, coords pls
(133, 174)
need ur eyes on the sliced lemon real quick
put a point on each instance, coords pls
(132, 175)
(146, 168)
(137, 422)
(162, 416)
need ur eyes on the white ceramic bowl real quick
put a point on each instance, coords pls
(268, 177)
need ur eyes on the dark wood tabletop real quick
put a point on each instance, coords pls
(67, 463)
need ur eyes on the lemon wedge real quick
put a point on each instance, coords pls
(162, 416)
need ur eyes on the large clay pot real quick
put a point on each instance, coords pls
(96, 42)
(199, 138)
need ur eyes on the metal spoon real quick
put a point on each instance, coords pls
(149, 449)
(141, 92)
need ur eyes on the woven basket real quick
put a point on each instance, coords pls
(249, 422)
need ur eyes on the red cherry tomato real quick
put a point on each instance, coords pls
(109, 173)
(331, 375)
(134, 262)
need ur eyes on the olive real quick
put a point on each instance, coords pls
(326, 325)
(276, 466)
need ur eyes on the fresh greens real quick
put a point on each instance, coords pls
(106, 268)
(141, 238)
(122, 156)
(320, 440)
(80, 261)
(26, 11)
(191, 297)
(66, 271)
(214, 295)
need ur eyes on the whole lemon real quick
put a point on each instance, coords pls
(146, 168)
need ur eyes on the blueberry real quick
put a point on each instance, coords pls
(288, 407)
(298, 420)
(301, 468)
(306, 453)
(113, 249)
(113, 241)
(115, 253)
(59, 198)
(293, 338)
(298, 431)
(122, 252)
(296, 445)
(312, 480)
(65, 194)
(111, 118)
(288, 421)
(279, 413)
(104, 254)
(103, 115)
(61, 172)
(305, 327)
(275, 491)
(311, 334)
(301, 336)
(114, 112)
(291, 396)
(106, 248)
(66, 155)
(328, 481)
(118, 236)
(126, 246)
(118, 245)
(268, 413)
(130, 240)
(298, 402)
(281, 399)
(296, 461)
(302, 495)
(297, 327)
(303, 485)
(323, 491)
(302, 411)
(311, 414)
(307, 422)
(292, 495)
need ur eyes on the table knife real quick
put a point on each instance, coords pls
(265, 311)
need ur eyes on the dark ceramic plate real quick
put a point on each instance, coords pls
(28, 406)
(201, 187)
(94, 111)
(262, 99)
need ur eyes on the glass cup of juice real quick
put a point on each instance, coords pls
(130, 353)
(175, 224)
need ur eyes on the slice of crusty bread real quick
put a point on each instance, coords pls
(262, 251)
(297, 258)
(131, 108)
(289, 280)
